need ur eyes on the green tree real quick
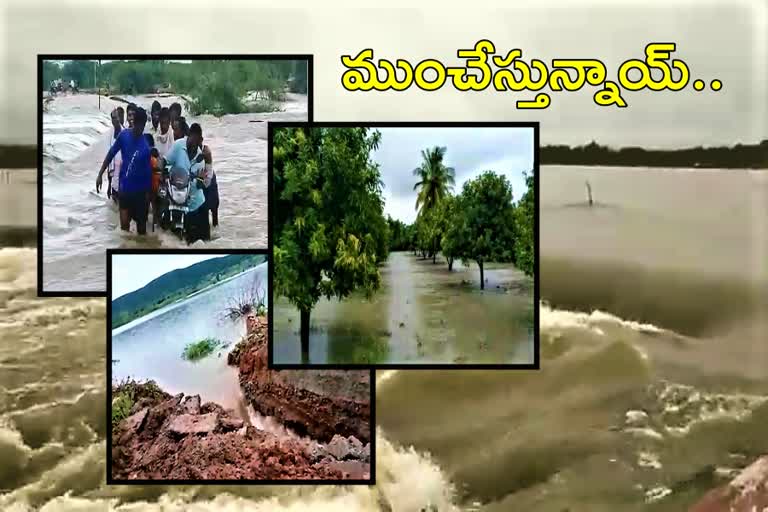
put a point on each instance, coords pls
(51, 71)
(399, 235)
(299, 83)
(83, 72)
(524, 229)
(326, 187)
(450, 229)
(436, 180)
(487, 231)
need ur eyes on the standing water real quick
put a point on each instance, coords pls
(423, 313)
(18, 195)
(151, 347)
(78, 224)
(652, 388)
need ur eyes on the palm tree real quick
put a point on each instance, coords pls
(436, 180)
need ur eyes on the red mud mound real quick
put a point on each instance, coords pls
(178, 438)
(316, 403)
(748, 492)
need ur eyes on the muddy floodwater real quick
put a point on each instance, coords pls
(653, 386)
(150, 347)
(79, 224)
(422, 314)
(652, 389)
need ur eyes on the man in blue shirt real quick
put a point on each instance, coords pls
(135, 178)
(189, 153)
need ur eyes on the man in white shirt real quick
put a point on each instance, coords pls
(114, 177)
(164, 137)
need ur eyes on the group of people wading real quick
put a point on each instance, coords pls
(139, 154)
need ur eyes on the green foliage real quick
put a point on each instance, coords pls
(330, 231)
(216, 86)
(399, 235)
(51, 71)
(200, 349)
(488, 227)
(178, 285)
(128, 392)
(299, 82)
(436, 180)
(121, 406)
(524, 221)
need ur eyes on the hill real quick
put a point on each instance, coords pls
(178, 285)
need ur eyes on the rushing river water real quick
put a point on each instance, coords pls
(80, 224)
(151, 346)
(422, 314)
(674, 260)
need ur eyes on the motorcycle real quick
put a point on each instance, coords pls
(173, 196)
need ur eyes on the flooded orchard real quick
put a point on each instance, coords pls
(423, 313)
(78, 224)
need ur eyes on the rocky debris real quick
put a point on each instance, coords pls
(135, 422)
(188, 424)
(316, 452)
(349, 469)
(748, 492)
(164, 440)
(229, 423)
(316, 403)
(192, 404)
(177, 437)
(345, 448)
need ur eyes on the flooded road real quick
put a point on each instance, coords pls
(422, 314)
(150, 347)
(80, 224)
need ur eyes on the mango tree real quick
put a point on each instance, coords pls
(524, 228)
(328, 198)
(487, 232)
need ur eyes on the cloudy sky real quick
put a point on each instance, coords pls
(132, 271)
(723, 39)
(507, 151)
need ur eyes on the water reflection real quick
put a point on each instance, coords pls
(422, 314)
(151, 347)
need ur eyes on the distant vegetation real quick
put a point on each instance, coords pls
(16, 156)
(481, 224)
(200, 349)
(128, 392)
(740, 156)
(216, 87)
(178, 285)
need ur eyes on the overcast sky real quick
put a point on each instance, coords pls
(723, 39)
(132, 271)
(507, 151)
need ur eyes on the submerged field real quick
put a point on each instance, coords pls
(423, 313)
